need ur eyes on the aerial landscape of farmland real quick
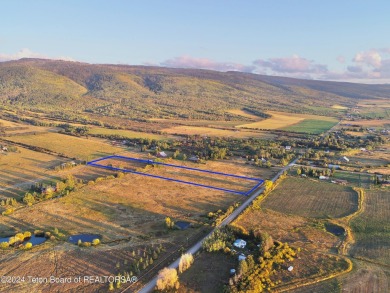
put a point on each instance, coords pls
(185, 174)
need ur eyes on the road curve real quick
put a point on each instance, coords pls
(149, 287)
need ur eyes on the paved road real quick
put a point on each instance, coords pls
(152, 284)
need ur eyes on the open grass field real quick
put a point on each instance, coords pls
(208, 273)
(207, 131)
(204, 123)
(372, 228)
(6, 123)
(296, 230)
(380, 123)
(354, 179)
(339, 107)
(282, 120)
(77, 147)
(193, 176)
(364, 278)
(379, 103)
(18, 169)
(244, 113)
(131, 206)
(127, 133)
(310, 198)
(311, 126)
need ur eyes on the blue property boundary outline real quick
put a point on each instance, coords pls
(246, 193)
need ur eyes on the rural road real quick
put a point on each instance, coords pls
(152, 284)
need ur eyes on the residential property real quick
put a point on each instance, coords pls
(239, 243)
(288, 147)
(161, 155)
(345, 159)
(323, 177)
(194, 159)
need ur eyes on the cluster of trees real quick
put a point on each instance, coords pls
(9, 201)
(95, 242)
(254, 273)
(39, 191)
(142, 259)
(168, 278)
(218, 216)
(312, 172)
(219, 240)
(75, 130)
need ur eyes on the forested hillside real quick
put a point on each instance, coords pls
(138, 92)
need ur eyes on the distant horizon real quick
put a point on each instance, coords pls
(332, 40)
(190, 68)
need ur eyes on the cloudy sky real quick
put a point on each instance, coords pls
(344, 40)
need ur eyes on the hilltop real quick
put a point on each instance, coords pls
(143, 92)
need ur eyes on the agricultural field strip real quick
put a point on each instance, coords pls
(246, 193)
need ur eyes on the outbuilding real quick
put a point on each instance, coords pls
(239, 243)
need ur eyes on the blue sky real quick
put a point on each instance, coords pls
(330, 40)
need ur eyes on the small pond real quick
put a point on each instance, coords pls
(182, 225)
(35, 240)
(84, 238)
(5, 239)
(335, 229)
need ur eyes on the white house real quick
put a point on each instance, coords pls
(162, 155)
(290, 268)
(288, 147)
(239, 243)
(323, 177)
(345, 159)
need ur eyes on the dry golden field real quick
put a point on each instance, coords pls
(208, 131)
(77, 147)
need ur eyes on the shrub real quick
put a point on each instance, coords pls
(8, 212)
(95, 242)
(167, 279)
(28, 245)
(27, 234)
(19, 236)
(4, 245)
(186, 261)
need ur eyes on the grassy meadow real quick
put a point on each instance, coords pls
(311, 198)
(75, 147)
(294, 122)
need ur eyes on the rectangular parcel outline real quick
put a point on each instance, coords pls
(258, 181)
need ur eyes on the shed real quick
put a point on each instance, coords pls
(241, 257)
(162, 155)
(194, 159)
(290, 268)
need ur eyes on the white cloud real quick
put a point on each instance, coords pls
(370, 58)
(27, 53)
(204, 63)
(291, 65)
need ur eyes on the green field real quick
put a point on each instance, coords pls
(372, 228)
(309, 198)
(311, 126)
(75, 147)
